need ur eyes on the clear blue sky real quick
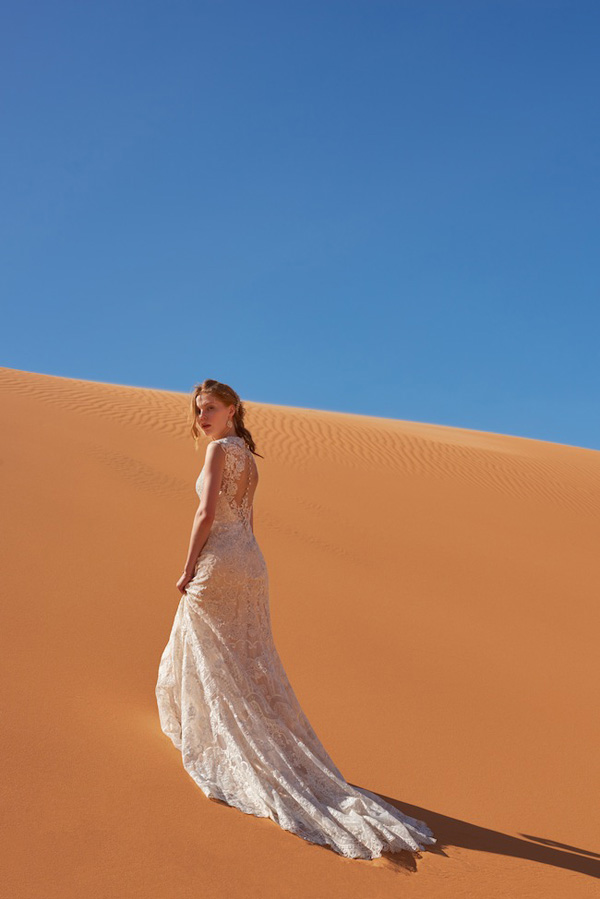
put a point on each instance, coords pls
(389, 208)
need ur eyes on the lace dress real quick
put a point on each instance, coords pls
(226, 703)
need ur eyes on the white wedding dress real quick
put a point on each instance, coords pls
(225, 701)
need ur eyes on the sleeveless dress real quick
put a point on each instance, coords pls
(226, 703)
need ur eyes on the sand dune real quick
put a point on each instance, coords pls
(434, 595)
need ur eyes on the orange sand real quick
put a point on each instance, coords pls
(434, 596)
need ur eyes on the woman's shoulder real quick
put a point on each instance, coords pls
(228, 443)
(230, 440)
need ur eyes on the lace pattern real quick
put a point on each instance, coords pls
(236, 463)
(225, 701)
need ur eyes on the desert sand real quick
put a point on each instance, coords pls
(434, 598)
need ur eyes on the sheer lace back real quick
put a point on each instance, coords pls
(240, 477)
(239, 483)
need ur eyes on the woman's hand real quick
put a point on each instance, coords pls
(185, 578)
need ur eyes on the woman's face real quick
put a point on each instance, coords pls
(213, 415)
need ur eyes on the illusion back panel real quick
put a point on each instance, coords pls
(247, 482)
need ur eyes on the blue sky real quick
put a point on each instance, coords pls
(388, 208)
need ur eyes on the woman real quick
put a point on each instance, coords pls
(223, 696)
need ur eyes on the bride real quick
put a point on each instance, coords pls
(223, 695)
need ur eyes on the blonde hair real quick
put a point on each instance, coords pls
(229, 397)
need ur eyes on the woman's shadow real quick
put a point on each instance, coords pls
(454, 832)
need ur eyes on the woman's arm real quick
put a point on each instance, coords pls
(252, 518)
(205, 514)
